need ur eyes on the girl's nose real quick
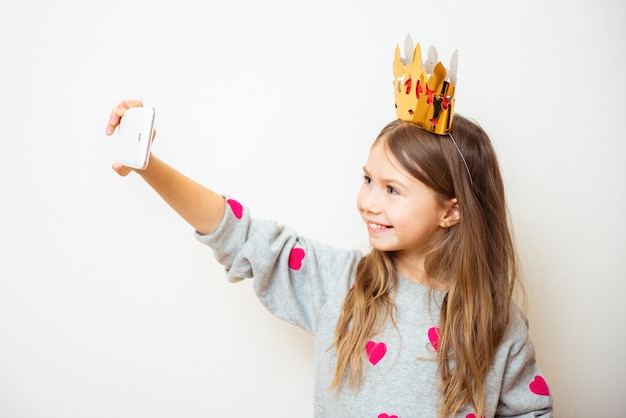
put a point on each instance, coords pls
(368, 201)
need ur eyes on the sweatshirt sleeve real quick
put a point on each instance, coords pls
(293, 277)
(524, 391)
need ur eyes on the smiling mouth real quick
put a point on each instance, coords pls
(377, 227)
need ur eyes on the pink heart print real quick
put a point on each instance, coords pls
(433, 337)
(375, 351)
(539, 386)
(235, 207)
(295, 258)
(387, 416)
(472, 416)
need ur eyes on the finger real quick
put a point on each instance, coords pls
(121, 170)
(132, 103)
(118, 112)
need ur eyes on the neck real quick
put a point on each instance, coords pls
(413, 269)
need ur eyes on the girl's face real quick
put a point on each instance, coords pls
(401, 213)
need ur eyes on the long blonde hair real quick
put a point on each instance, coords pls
(476, 258)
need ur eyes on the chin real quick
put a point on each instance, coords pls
(380, 247)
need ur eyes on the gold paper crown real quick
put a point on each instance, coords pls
(424, 93)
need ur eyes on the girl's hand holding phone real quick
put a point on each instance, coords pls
(126, 151)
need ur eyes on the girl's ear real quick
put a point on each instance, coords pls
(452, 213)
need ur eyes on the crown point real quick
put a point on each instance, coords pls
(431, 61)
(454, 67)
(408, 49)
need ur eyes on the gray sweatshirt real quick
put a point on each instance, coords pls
(305, 283)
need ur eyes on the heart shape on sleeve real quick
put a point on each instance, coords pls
(539, 386)
(235, 207)
(295, 258)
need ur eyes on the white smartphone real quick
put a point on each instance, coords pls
(134, 137)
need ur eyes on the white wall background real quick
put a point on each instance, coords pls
(110, 308)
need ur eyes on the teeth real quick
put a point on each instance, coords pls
(375, 226)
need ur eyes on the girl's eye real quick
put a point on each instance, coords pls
(367, 180)
(391, 190)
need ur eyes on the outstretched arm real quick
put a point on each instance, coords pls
(201, 207)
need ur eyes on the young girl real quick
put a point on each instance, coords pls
(421, 326)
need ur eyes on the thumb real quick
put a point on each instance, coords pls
(121, 170)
